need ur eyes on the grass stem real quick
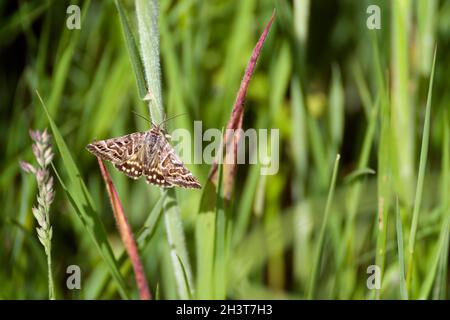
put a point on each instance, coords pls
(319, 248)
(126, 234)
(420, 178)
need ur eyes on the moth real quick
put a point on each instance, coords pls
(146, 154)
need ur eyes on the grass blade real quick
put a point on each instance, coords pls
(82, 203)
(147, 17)
(133, 51)
(401, 257)
(319, 249)
(205, 241)
(221, 248)
(421, 176)
(177, 244)
(402, 120)
(126, 233)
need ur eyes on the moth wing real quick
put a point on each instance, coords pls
(167, 170)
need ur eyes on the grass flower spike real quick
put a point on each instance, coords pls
(43, 153)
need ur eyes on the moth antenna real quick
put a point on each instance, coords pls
(145, 118)
(172, 117)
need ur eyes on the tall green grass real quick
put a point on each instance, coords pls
(330, 85)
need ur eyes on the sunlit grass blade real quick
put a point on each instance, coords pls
(205, 230)
(401, 256)
(353, 200)
(148, 229)
(221, 242)
(336, 109)
(299, 131)
(147, 13)
(126, 233)
(402, 104)
(133, 51)
(236, 42)
(363, 90)
(384, 153)
(437, 273)
(357, 174)
(82, 203)
(177, 104)
(421, 177)
(441, 283)
(245, 204)
(439, 251)
(210, 240)
(95, 288)
(426, 33)
(319, 246)
(190, 291)
(65, 54)
(177, 243)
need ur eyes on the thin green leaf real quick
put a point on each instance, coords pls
(319, 249)
(401, 257)
(76, 191)
(133, 51)
(421, 175)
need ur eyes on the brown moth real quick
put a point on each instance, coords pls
(146, 154)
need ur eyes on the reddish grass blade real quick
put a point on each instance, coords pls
(236, 118)
(126, 234)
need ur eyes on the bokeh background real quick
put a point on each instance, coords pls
(327, 82)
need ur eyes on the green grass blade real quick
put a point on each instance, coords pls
(299, 145)
(178, 251)
(439, 291)
(421, 176)
(402, 119)
(205, 241)
(82, 203)
(185, 278)
(426, 33)
(149, 227)
(173, 71)
(245, 204)
(95, 288)
(437, 256)
(354, 175)
(336, 106)
(401, 256)
(133, 52)
(438, 268)
(147, 16)
(319, 249)
(384, 176)
(221, 248)
(363, 90)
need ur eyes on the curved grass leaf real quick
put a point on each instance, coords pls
(421, 175)
(147, 16)
(81, 201)
(133, 51)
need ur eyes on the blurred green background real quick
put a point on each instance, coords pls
(327, 82)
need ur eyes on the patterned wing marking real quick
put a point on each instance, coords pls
(117, 150)
(166, 170)
(132, 168)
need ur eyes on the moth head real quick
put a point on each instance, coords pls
(159, 127)
(163, 132)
